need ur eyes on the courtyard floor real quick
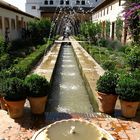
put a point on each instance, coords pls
(25, 127)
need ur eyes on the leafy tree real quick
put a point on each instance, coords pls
(119, 28)
(107, 29)
(91, 31)
(39, 29)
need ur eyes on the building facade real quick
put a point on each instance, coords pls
(110, 11)
(12, 21)
(63, 12)
(36, 7)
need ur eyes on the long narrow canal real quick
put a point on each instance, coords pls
(69, 93)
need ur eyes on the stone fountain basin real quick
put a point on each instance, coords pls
(72, 129)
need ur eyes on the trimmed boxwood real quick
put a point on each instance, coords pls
(128, 88)
(14, 89)
(38, 86)
(107, 82)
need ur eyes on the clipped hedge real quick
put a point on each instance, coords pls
(103, 55)
(5, 61)
(21, 69)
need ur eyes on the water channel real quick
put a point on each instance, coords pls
(69, 93)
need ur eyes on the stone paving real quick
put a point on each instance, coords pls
(24, 128)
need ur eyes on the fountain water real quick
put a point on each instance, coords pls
(69, 93)
(72, 130)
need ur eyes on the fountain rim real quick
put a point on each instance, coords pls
(66, 120)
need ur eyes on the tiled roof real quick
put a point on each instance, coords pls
(10, 7)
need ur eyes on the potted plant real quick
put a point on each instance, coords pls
(128, 89)
(136, 75)
(2, 103)
(15, 93)
(38, 90)
(107, 96)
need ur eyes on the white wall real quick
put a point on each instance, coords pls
(15, 33)
(112, 13)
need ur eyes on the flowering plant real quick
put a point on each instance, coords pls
(132, 19)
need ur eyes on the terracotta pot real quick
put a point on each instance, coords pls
(139, 106)
(15, 108)
(129, 109)
(38, 104)
(107, 102)
(3, 104)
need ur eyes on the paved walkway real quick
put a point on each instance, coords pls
(25, 127)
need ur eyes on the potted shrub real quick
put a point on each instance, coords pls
(136, 75)
(38, 90)
(2, 103)
(15, 93)
(128, 89)
(106, 85)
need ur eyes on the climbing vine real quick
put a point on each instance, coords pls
(119, 28)
(107, 29)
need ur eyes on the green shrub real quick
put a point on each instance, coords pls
(103, 42)
(39, 29)
(136, 74)
(115, 44)
(128, 88)
(38, 85)
(24, 66)
(107, 82)
(119, 28)
(133, 57)
(2, 45)
(19, 45)
(14, 89)
(108, 65)
(5, 61)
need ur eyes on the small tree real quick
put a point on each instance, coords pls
(107, 29)
(133, 57)
(39, 29)
(91, 31)
(119, 28)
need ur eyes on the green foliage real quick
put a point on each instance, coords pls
(128, 88)
(38, 85)
(5, 61)
(103, 42)
(24, 66)
(136, 74)
(39, 30)
(14, 89)
(132, 19)
(109, 65)
(102, 54)
(91, 30)
(2, 45)
(19, 44)
(108, 29)
(119, 28)
(107, 82)
(115, 44)
(133, 57)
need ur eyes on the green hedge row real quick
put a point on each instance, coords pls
(21, 69)
(107, 58)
